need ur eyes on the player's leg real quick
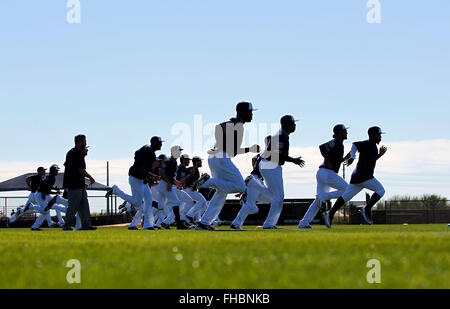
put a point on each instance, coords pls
(274, 179)
(314, 208)
(136, 187)
(335, 181)
(187, 203)
(172, 205)
(379, 191)
(200, 204)
(350, 192)
(226, 177)
(248, 209)
(149, 220)
(78, 222)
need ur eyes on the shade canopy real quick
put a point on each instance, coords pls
(19, 184)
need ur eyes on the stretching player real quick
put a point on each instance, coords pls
(226, 178)
(363, 176)
(195, 213)
(182, 176)
(139, 173)
(31, 206)
(256, 191)
(328, 174)
(44, 198)
(271, 166)
(167, 189)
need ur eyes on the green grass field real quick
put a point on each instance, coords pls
(413, 256)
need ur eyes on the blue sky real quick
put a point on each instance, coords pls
(132, 69)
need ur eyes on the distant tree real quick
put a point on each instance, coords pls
(415, 202)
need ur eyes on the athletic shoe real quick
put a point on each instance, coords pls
(270, 228)
(202, 227)
(190, 220)
(89, 228)
(38, 229)
(165, 226)
(133, 228)
(183, 225)
(156, 228)
(326, 219)
(305, 227)
(363, 214)
(67, 229)
(235, 227)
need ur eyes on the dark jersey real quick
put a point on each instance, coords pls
(182, 172)
(47, 185)
(35, 182)
(229, 136)
(170, 167)
(143, 162)
(190, 181)
(368, 156)
(334, 152)
(256, 170)
(278, 148)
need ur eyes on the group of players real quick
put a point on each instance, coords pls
(165, 193)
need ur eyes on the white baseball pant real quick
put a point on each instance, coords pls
(273, 176)
(257, 191)
(226, 179)
(326, 180)
(140, 194)
(372, 184)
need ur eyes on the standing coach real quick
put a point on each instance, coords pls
(74, 181)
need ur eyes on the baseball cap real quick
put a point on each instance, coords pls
(176, 148)
(340, 127)
(162, 157)
(375, 130)
(245, 107)
(185, 156)
(54, 167)
(41, 169)
(288, 119)
(197, 158)
(156, 139)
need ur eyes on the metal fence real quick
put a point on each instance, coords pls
(414, 211)
(98, 204)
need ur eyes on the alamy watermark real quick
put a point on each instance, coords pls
(374, 14)
(374, 274)
(74, 274)
(74, 13)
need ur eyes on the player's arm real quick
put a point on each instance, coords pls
(297, 161)
(383, 151)
(352, 155)
(85, 174)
